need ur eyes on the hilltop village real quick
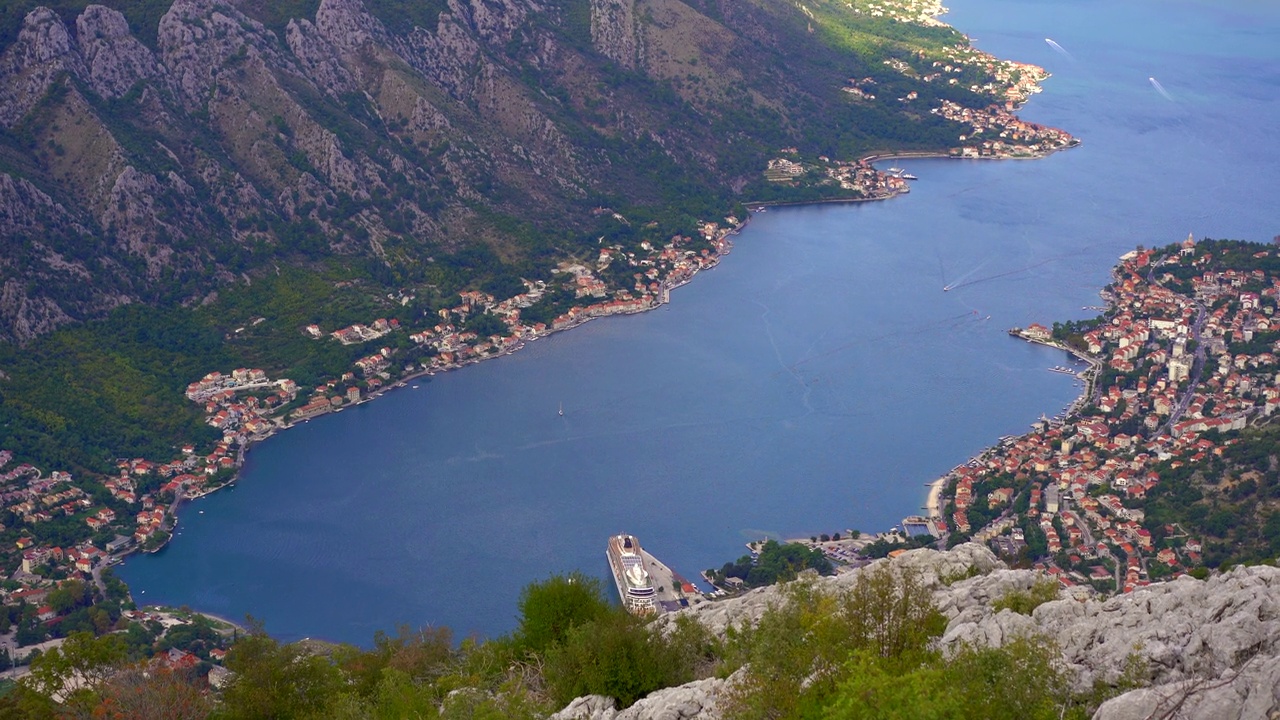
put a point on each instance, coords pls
(1185, 355)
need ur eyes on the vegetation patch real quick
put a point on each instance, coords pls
(1024, 602)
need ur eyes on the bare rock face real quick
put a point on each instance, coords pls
(318, 58)
(30, 66)
(24, 207)
(1251, 692)
(203, 40)
(448, 55)
(589, 707)
(495, 21)
(28, 316)
(26, 215)
(692, 701)
(349, 27)
(116, 61)
(616, 33)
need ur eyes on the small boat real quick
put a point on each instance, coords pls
(561, 409)
(908, 176)
(896, 170)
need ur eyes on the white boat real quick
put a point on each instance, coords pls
(561, 409)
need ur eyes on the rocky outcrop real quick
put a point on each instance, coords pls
(932, 567)
(1211, 648)
(319, 58)
(616, 32)
(115, 60)
(30, 66)
(1184, 630)
(1251, 692)
(692, 701)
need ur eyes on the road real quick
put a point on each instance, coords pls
(1197, 368)
(1197, 365)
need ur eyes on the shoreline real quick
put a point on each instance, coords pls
(933, 505)
(933, 501)
(890, 155)
(937, 488)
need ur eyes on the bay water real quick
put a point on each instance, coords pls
(815, 381)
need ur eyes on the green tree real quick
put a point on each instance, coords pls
(1023, 680)
(70, 596)
(1024, 602)
(795, 654)
(78, 669)
(549, 610)
(618, 656)
(277, 681)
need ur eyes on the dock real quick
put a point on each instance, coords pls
(670, 586)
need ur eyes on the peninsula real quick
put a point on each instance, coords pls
(1161, 467)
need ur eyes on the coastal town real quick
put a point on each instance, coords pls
(68, 529)
(1183, 359)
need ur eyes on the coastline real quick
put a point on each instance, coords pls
(933, 502)
(933, 505)
(722, 240)
(937, 488)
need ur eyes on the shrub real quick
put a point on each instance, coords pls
(1024, 602)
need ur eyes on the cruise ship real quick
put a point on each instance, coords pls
(634, 586)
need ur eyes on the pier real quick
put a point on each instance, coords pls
(671, 595)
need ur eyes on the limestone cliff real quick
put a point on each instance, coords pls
(615, 32)
(1211, 648)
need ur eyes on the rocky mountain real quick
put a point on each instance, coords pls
(1203, 649)
(155, 153)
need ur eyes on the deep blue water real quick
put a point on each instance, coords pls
(814, 382)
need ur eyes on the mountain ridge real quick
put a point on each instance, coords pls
(160, 171)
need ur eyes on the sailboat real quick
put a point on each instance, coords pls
(561, 409)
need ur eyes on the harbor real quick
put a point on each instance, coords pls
(646, 586)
